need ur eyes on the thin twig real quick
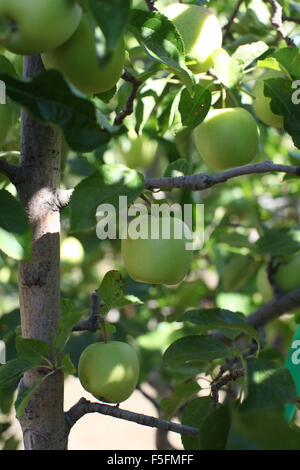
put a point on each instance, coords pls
(201, 181)
(83, 407)
(292, 19)
(275, 308)
(128, 108)
(216, 387)
(151, 399)
(277, 20)
(94, 321)
(272, 268)
(227, 27)
(150, 5)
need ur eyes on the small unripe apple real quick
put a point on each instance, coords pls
(286, 277)
(288, 274)
(109, 371)
(262, 107)
(29, 27)
(160, 260)
(71, 251)
(201, 33)
(77, 60)
(227, 138)
(138, 151)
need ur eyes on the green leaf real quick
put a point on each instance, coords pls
(24, 397)
(67, 365)
(289, 59)
(106, 96)
(68, 319)
(112, 17)
(218, 318)
(282, 102)
(269, 387)
(262, 430)
(111, 289)
(128, 300)
(237, 272)
(162, 42)
(6, 66)
(214, 430)
(269, 63)
(247, 53)
(195, 348)
(111, 292)
(177, 168)
(50, 99)
(192, 109)
(194, 415)
(228, 70)
(233, 239)
(101, 187)
(12, 371)
(34, 351)
(15, 231)
(182, 392)
(282, 241)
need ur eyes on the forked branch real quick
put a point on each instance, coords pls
(128, 108)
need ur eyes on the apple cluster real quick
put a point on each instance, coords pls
(62, 33)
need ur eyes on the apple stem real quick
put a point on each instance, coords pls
(102, 321)
(223, 91)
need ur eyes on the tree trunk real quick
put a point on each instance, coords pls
(43, 422)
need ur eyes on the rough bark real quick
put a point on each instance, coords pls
(43, 422)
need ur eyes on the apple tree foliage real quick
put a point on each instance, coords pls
(195, 336)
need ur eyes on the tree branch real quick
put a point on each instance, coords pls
(217, 385)
(201, 181)
(93, 322)
(83, 407)
(292, 19)
(227, 27)
(275, 308)
(128, 108)
(63, 198)
(277, 20)
(150, 5)
(13, 172)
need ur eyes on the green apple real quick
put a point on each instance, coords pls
(138, 151)
(77, 60)
(201, 33)
(157, 257)
(109, 371)
(287, 277)
(288, 274)
(227, 138)
(71, 251)
(262, 106)
(34, 26)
